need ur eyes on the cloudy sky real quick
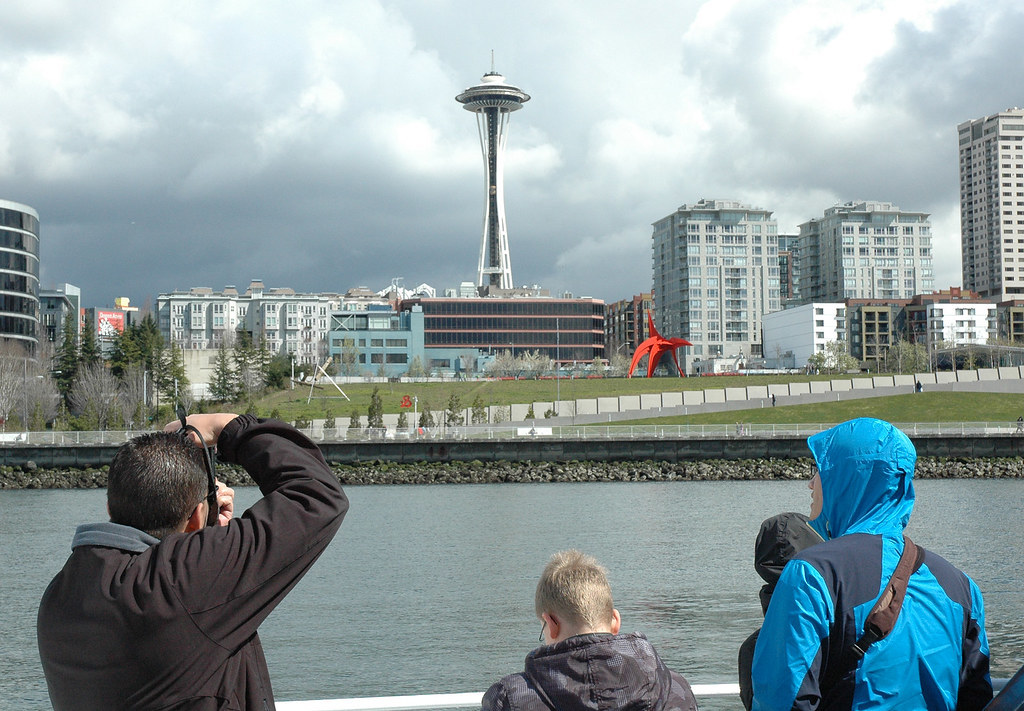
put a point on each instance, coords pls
(317, 144)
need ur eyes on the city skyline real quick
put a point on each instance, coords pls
(166, 147)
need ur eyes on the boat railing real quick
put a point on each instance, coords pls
(446, 701)
(472, 700)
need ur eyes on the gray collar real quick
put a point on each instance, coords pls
(113, 535)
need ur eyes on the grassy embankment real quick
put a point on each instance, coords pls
(292, 403)
(922, 407)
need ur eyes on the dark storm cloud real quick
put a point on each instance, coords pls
(320, 147)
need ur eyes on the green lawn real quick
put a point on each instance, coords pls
(292, 403)
(921, 407)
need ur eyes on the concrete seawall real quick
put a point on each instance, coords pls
(544, 449)
(505, 471)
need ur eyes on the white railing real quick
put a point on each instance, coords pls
(541, 431)
(444, 701)
(472, 700)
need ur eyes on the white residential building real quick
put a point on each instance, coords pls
(955, 323)
(715, 274)
(865, 250)
(793, 335)
(292, 324)
(992, 204)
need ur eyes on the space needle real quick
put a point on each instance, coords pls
(493, 100)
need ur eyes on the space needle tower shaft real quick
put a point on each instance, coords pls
(493, 100)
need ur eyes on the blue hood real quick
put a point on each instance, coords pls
(867, 470)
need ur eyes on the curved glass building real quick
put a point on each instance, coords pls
(19, 274)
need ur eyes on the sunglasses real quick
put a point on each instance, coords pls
(211, 479)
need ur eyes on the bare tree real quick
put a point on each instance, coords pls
(619, 364)
(94, 396)
(535, 363)
(834, 359)
(42, 399)
(504, 365)
(416, 369)
(13, 362)
(133, 396)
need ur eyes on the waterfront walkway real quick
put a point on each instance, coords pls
(991, 380)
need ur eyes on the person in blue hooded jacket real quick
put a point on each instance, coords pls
(935, 657)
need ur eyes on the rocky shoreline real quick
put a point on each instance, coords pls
(29, 476)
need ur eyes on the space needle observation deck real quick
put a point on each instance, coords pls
(493, 100)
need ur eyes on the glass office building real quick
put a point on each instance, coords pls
(19, 274)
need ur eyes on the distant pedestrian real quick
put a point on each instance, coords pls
(1020, 424)
(773, 399)
(917, 386)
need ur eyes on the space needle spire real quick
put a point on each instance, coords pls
(493, 100)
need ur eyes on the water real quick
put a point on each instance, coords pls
(429, 589)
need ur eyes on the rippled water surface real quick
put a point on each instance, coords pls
(429, 589)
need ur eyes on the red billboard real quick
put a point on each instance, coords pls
(109, 324)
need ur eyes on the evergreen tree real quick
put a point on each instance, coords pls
(479, 411)
(279, 372)
(222, 384)
(453, 415)
(89, 352)
(375, 413)
(403, 421)
(353, 420)
(426, 416)
(171, 378)
(250, 375)
(126, 351)
(150, 342)
(262, 360)
(66, 358)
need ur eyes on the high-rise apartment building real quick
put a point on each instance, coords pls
(789, 268)
(625, 325)
(865, 250)
(716, 273)
(54, 307)
(992, 204)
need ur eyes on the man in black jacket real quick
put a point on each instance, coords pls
(154, 610)
(585, 664)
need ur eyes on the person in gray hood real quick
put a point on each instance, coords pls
(585, 662)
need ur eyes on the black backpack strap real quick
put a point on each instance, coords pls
(882, 617)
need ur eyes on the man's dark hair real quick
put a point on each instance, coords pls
(155, 482)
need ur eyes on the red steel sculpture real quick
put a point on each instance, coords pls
(656, 346)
